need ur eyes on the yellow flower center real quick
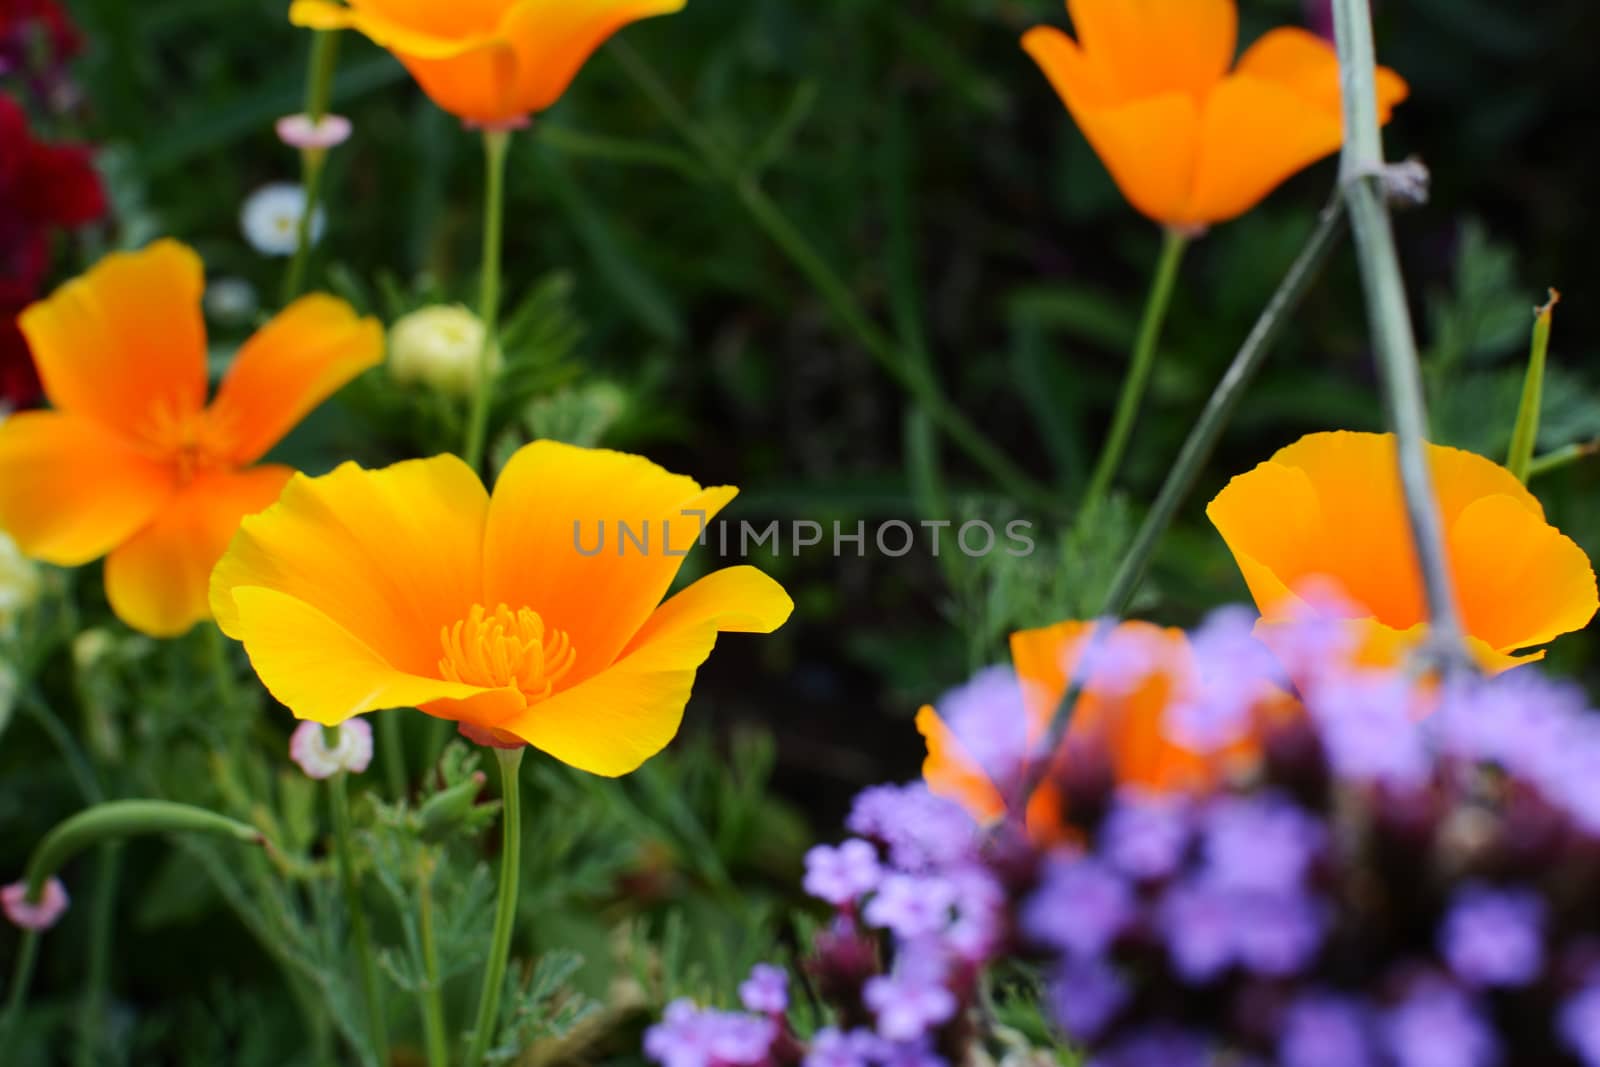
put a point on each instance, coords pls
(506, 648)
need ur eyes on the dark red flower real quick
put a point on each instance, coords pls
(19, 382)
(35, 33)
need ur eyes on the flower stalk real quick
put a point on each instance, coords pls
(1174, 243)
(433, 1019)
(313, 161)
(1526, 434)
(496, 146)
(344, 844)
(1202, 438)
(1362, 178)
(505, 918)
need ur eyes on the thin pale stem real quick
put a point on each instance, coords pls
(433, 1018)
(496, 146)
(1139, 369)
(505, 917)
(344, 844)
(1525, 435)
(313, 161)
(847, 311)
(1390, 318)
(1219, 409)
(394, 754)
(1563, 457)
(21, 979)
(91, 1047)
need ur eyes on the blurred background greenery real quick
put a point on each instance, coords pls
(919, 153)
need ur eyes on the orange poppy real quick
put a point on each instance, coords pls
(529, 618)
(132, 462)
(1189, 143)
(489, 62)
(1329, 511)
(1122, 711)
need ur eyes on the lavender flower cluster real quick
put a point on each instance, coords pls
(1407, 874)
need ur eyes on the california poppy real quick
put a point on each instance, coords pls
(1189, 143)
(529, 618)
(1329, 511)
(488, 62)
(132, 462)
(1136, 680)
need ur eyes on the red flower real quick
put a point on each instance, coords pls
(23, 22)
(42, 188)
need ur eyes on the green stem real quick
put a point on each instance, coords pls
(1142, 364)
(394, 754)
(836, 294)
(83, 775)
(1219, 409)
(91, 1017)
(21, 979)
(1390, 318)
(344, 843)
(313, 161)
(1565, 456)
(496, 145)
(433, 1019)
(505, 917)
(1526, 434)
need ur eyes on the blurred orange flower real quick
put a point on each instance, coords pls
(511, 615)
(489, 62)
(1189, 143)
(1329, 511)
(1137, 675)
(132, 461)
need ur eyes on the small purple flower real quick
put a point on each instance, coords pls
(1086, 994)
(1117, 660)
(1276, 934)
(1082, 906)
(1198, 924)
(766, 991)
(1567, 774)
(1516, 719)
(1261, 843)
(1323, 1030)
(842, 875)
(1160, 1046)
(1494, 937)
(832, 1047)
(1368, 725)
(980, 905)
(921, 831)
(1146, 835)
(1580, 1025)
(989, 719)
(1438, 1026)
(688, 1036)
(908, 1054)
(911, 905)
(44, 914)
(914, 999)
(1234, 673)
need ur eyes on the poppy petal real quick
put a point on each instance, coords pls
(72, 490)
(1307, 65)
(1255, 135)
(125, 344)
(591, 540)
(952, 773)
(1272, 522)
(614, 721)
(392, 556)
(425, 30)
(158, 581)
(1148, 47)
(320, 670)
(303, 356)
(554, 38)
(1520, 581)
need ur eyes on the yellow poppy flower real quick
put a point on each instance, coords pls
(1189, 143)
(489, 62)
(132, 462)
(528, 618)
(1329, 510)
(1121, 716)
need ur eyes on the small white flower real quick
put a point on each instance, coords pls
(41, 916)
(352, 752)
(271, 219)
(20, 583)
(231, 301)
(298, 131)
(440, 347)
